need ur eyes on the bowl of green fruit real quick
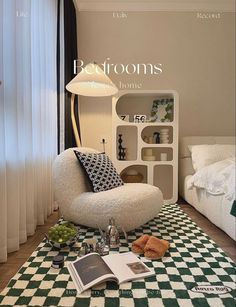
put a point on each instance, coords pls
(62, 235)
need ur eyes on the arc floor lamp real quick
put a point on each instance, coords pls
(93, 82)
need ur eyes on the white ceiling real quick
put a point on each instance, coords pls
(156, 5)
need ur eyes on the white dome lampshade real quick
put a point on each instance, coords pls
(92, 81)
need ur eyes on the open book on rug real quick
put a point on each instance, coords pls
(93, 269)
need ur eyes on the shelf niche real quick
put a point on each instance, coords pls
(163, 179)
(148, 134)
(140, 169)
(129, 137)
(157, 152)
(136, 104)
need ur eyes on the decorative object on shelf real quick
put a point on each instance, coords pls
(112, 234)
(91, 81)
(145, 139)
(162, 110)
(164, 136)
(163, 156)
(156, 137)
(132, 176)
(140, 118)
(150, 140)
(124, 117)
(148, 155)
(121, 152)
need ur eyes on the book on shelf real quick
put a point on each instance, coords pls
(92, 269)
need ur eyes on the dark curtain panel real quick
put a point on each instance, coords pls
(70, 40)
(70, 54)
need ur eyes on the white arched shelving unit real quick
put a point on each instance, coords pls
(137, 139)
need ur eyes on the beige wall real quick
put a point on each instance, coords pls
(197, 56)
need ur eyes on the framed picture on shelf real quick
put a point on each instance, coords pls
(162, 110)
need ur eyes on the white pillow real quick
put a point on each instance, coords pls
(203, 155)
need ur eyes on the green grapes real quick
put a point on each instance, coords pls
(62, 233)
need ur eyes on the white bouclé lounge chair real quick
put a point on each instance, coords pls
(131, 205)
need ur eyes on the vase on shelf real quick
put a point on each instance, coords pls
(121, 149)
(148, 155)
(164, 136)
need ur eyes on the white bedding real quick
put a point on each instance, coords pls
(210, 191)
(217, 178)
(215, 207)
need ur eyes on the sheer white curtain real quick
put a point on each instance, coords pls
(28, 117)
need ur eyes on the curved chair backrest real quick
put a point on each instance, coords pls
(69, 180)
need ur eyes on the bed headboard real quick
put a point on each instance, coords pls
(185, 161)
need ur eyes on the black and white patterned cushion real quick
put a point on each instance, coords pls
(100, 171)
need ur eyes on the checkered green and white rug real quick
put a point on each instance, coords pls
(193, 260)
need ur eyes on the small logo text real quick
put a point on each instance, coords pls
(21, 14)
(208, 15)
(211, 289)
(120, 15)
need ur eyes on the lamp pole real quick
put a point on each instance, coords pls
(74, 125)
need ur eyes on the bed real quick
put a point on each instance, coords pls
(215, 205)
